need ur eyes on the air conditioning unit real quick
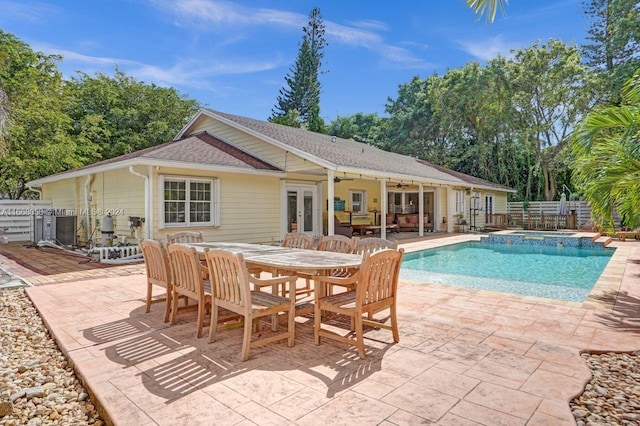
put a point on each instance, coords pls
(59, 229)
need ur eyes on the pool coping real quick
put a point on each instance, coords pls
(602, 296)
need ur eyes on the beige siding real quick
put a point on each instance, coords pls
(118, 192)
(62, 194)
(121, 194)
(248, 143)
(249, 207)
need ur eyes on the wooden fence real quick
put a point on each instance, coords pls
(546, 212)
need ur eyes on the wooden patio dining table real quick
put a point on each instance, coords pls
(311, 262)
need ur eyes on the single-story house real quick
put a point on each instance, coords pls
(239, 179)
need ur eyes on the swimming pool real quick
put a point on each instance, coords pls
(557, 272)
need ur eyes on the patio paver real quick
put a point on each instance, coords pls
(464, 357)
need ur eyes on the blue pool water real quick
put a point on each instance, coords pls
(557, 272)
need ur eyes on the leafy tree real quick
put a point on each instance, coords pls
(607, 148)
(553, 90)
(38, 142)
(614, 36)
(4, 119)
(413, 129)
(302, 90)
(367, 128)
(121, 114)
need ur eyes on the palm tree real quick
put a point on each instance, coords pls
(481, 6)
(607, 147)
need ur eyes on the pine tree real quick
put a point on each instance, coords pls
(299, 101)
(614, 36)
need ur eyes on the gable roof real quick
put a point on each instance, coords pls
(345, 155)
(198, 149)
(323, 152)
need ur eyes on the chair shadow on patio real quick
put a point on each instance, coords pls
(172, 362)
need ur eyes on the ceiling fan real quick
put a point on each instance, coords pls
(400, 185)
(338, 179)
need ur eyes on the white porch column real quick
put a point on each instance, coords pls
(451, 205)
(330, 196)
(383, 208)
(421, 209)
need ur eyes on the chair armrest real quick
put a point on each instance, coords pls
(204, 271)
(263, 282)
(344, 281)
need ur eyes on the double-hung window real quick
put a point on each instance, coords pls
(460, 202)
(358, 202)
(189, 201)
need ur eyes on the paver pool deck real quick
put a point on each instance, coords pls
(465, 357)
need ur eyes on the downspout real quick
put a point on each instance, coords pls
(147, 193)
(37, 191)
(87, 213)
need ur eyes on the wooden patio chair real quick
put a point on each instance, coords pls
(158, 273)
(301, 241)
(231, 282)
(376, 284)
(185, 237)
(373, 244)
(298, 240)
(292, 240)
(335, 243)
(362, 246)
(188, 280)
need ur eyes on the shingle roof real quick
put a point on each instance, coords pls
(200, 148)
(349, 153)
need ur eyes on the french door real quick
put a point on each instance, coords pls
(302, 202)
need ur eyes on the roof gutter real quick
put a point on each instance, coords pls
(153, 163)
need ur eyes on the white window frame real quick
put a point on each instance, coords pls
(489, 203)
(460, 195)
(363, 208)
(215, 201)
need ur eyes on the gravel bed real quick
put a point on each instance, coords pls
(37, 384)
(612, 397)
(39, 387)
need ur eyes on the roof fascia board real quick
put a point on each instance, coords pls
(419, 179)
(189, 124)
(153, 163)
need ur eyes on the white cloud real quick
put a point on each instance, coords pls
(28, 13)
(370, 24)
(487, 49)
(186, 73)
(215, 16)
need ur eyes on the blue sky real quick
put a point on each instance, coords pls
(233, 56)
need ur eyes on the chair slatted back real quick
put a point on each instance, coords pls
(156, 262)
(185, 237)
(229, 278)
(335, 243)
(373, 244)
(298, 240)
(379, 276)
(186, 271)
